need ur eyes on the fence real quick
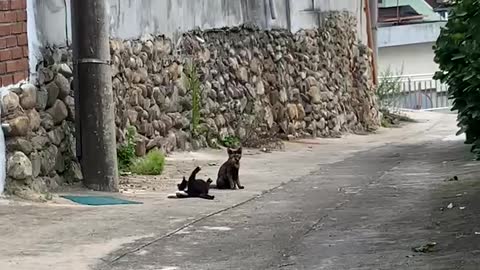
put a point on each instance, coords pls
(416, 92)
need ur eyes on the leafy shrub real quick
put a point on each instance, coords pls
(457, 51)
(126, 151)
(230, 142)
(389, 89)
(152, 164)
(192, 84)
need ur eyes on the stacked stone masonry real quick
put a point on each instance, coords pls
(13, 42)
(312, 83)
(40, 141)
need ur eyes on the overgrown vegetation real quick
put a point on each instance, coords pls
(152, 164)
(389, 89)
(192, 84)
(390, 119)
(457, 51)
(126, 151)
(389, 92)
(230, 141)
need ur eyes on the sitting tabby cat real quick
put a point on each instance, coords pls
(195, 187)
(228, 175)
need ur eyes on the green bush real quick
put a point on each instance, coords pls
(230, 142)
(126, 151)
(389, 89)
(152, 164)
(457, 51)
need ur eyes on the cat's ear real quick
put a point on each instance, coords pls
(239, 150)
(229, 151)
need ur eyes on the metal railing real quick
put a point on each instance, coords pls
(417, 92)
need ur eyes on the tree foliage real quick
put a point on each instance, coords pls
(457, 51)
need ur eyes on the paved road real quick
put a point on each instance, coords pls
(365, 212)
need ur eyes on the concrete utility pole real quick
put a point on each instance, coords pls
(374, 24)
(96, 142)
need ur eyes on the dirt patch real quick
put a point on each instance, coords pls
(174, 170)
(390, 119)
(177, 165)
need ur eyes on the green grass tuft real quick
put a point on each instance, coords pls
(152, 164)
(230, 142)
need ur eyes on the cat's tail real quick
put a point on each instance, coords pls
(194, 173)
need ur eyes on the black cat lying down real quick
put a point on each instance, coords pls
(196, 188)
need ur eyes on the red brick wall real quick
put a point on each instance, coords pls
(13, 41)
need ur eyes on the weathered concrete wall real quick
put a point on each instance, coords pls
(49, 20)
(49, 24)
(131, 19)
(303, 19)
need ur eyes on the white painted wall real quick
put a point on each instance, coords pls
(49, 20)
(356, 7)
(409, 34)
(129, 19)
(132, 19)
(48, 24)
(413, 59)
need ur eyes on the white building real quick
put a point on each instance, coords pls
(408, 30)
(408, 49)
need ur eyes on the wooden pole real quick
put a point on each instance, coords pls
(371, 43)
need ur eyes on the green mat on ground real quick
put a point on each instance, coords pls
(98, 200)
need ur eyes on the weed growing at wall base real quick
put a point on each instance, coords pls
(230, 142)
(152, 164)
(389, 90)
(126, 151)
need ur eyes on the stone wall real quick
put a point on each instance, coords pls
(40, 140)
(312, 83)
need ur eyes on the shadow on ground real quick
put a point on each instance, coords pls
(365, 212)
(404, 208)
